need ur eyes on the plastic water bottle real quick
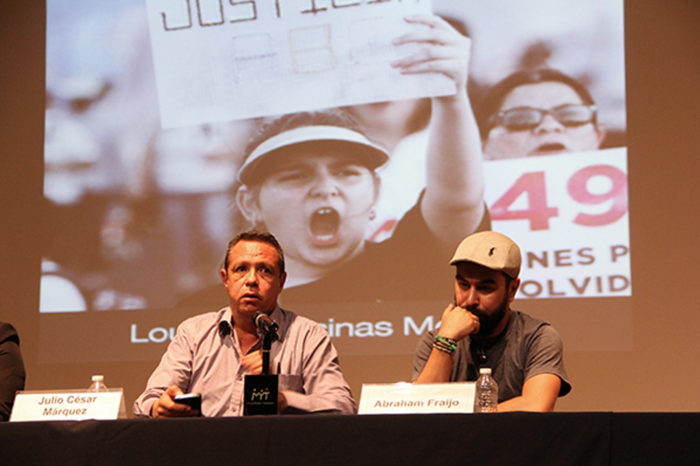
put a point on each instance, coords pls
(486, 395)
(98, 384)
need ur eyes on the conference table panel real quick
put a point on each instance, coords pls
(435, 439)
(656, 438)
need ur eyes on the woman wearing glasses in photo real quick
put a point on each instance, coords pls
(538, 112)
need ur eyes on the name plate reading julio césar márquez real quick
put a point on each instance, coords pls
(60, 405)
(408, 398)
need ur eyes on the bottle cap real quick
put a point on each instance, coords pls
(485, 370)
(98, 378)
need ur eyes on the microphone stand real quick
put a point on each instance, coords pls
(268, 338)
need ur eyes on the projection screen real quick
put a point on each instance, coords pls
(150, 107)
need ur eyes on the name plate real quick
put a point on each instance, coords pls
(76, 405)
(408, 398)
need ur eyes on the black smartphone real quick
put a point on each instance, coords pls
(193, 400)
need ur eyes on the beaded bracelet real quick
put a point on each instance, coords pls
(446, 341)
(447, 345)
(442, 348)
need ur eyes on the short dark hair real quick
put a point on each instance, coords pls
(260, 237)
(493, 100)
(509, 279)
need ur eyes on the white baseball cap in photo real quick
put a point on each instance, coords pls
(374, 154)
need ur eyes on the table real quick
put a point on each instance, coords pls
(435, 439)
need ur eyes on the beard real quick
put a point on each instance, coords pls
(489, 321)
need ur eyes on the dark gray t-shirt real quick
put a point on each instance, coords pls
(526, 348)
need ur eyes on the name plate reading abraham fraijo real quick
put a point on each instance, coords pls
(407, 398)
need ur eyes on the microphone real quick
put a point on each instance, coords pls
(264, 323)
(261, 391)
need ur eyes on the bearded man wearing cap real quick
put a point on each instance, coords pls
(481, 330)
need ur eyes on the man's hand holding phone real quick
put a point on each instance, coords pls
(174, 403)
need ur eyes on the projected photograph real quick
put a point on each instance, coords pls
(172, 125)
